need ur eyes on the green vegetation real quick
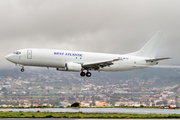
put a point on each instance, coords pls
(76, 104)
(84, 115)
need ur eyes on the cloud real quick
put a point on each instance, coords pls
(99, 26)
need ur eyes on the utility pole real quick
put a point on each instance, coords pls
(31, 101)
(93, 101)
(176, 101)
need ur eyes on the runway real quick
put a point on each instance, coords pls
(99, 110)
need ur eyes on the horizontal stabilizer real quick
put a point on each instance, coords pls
(165, 66)
(157, 59)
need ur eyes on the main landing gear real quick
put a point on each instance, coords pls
(88, 74)
(22, 69)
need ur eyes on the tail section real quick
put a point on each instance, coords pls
(150, 48)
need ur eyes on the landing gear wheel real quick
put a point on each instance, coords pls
(88, 74)
(82, 74)
(22, 70)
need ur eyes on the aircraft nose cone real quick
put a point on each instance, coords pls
(9, 57)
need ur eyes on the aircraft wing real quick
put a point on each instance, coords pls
(98, 64)
(157, 59)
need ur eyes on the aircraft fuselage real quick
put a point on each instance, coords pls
(58, 58)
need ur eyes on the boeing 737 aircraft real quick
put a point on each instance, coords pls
(78, 61)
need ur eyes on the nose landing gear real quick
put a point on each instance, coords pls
(22, 69)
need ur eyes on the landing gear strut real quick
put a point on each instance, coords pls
(22, 69)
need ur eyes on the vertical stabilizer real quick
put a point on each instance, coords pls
(150, 48)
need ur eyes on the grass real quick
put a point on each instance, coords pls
(85, 115)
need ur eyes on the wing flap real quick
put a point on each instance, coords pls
(98, 64)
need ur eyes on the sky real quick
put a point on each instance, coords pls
(107, 26)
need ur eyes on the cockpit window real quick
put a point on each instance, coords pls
(17, 52)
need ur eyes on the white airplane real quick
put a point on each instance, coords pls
(77, 61)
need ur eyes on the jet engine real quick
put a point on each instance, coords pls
(73, 67)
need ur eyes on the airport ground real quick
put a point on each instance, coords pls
(91, 113)
(96, 110)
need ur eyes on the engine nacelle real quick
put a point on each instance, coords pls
(73, 67)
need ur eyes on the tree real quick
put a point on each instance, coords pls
(112, 102)
(176, 100)
(5, 91)
(76, 104)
